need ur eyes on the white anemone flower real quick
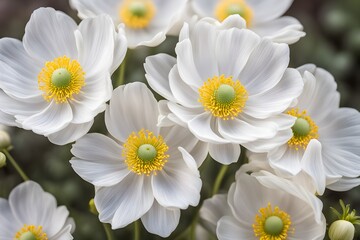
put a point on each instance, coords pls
(264, 206)
(31, 213)
(324, 142)
(262, 16)
(146, 21)
(229, 89)
(58, 79)
(147, 172)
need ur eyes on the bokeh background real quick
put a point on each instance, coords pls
(332, 42)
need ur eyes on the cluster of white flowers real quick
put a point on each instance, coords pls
(228, 88)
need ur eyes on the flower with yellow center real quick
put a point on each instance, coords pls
(137, 13)
(32, 214)
(223, 97)
(145, 153)
(304, 130)
(226, 8)
(272, 224)
(60, 79)
(31, 232)
(263, 206)
(148, 167)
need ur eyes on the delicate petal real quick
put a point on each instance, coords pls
(160, 220)
(269, 9)
(9, 224)
(70, 133)
(225, 153)
(229, 228)
(92, 8)
(98, 160)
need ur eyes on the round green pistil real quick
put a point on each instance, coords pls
(301, 127)
(27, 236)
(273, 225)
(147, 152)
(61, 78)
(225, 94)
(235, 9)
(137, 8)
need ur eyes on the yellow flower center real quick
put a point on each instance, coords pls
(272, 224)
(226, 8)
(137, 13)
(304, 130)
(223, 97)
(30, 232)
(60, 79)
(145, 153)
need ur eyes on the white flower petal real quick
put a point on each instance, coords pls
(229, 228)
(8, 120)
(9, 224)
(92, 8)
(239, 45)
(160, 220)
(282, 30)
(344, 184)
(18, 70)
(183, 113)
(70, 133)
(178, 184)
(52, 119)
(265, 105)
(265, 67)
(98, 160)
(120, 48)
(200, 152)
(50, 34)
(225, 153)
(124, 202)
(205, 8)
(135, 107)
(269, 9)
(312, 164)
(150, 37)
(288, 163)
(157, 69)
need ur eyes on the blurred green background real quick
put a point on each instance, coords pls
(332, 42)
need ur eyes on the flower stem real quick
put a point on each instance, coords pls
(15, 165)
(136, 230)
(108, 232)
(121, 79)
(219, 178)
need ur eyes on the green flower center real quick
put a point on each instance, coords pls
(27, 236)
(273, 225)
(225, 94)
(235, 9)
(137, 8)
(61, 78)
(301, 127)
(147, 152)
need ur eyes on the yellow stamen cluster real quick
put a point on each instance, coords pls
(301, 141)
(218, 105)
(37, 231)
(137, 14)
(226, 8)
(61, 93)
(259, 224)
(145, 166)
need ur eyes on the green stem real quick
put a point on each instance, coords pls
(108, 231)
(15, 165)
(193, 227)
(136, 230)
(219, 178)
(121, 79)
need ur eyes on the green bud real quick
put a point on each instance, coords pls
(2, 160)
(5, 140)
(341, 230)
(92, 207)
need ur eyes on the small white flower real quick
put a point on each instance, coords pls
(146, 21)
(147, 172)
(263, 17)
(227, 85)
(58, 79)
(264, 206)
(31, 213)
(324, 141)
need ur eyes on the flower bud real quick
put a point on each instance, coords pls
(2, 160)
(5, 140)
(341, 230)
(92, 207)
